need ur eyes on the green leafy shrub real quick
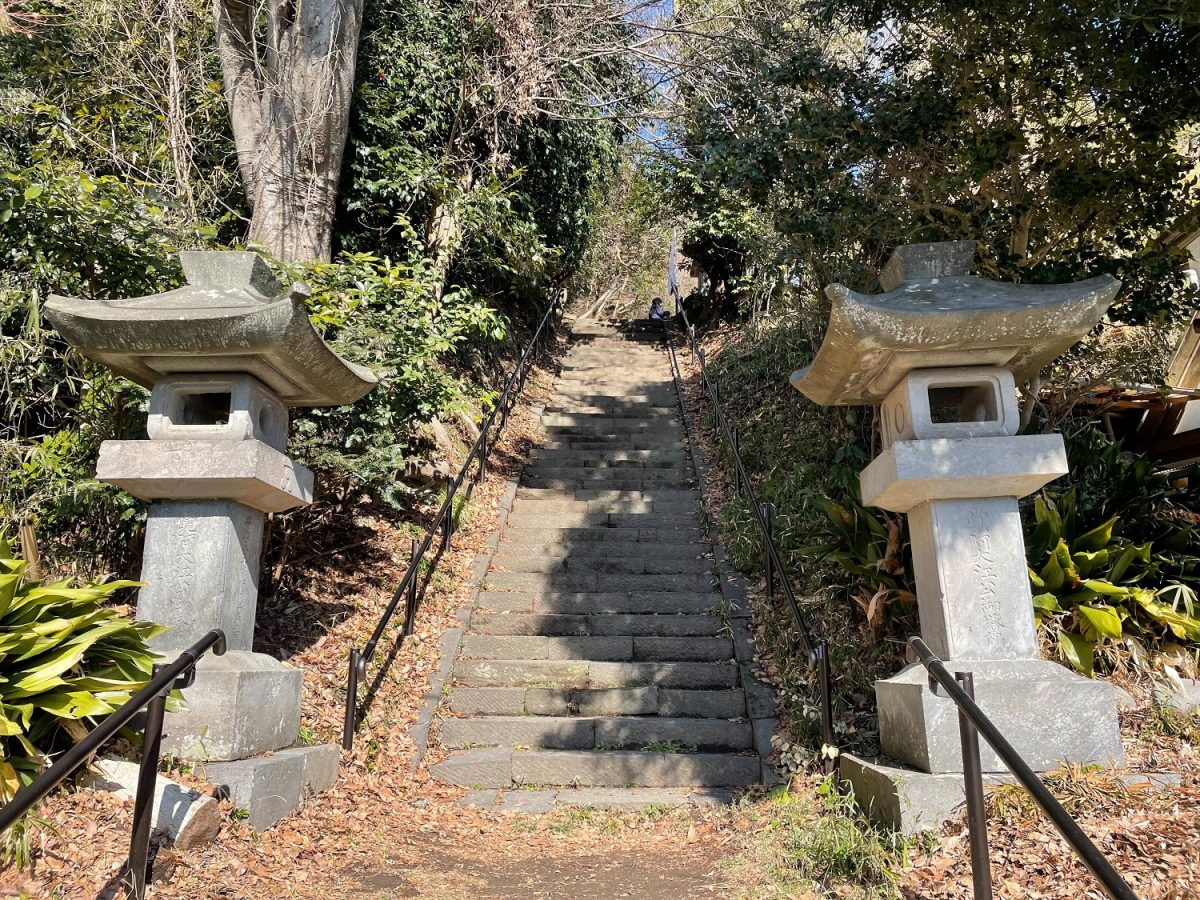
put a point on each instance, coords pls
(1092, 585)
(66, 658)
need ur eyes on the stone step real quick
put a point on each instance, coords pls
(587, 549)
(577, 460)
(600, 582)
(572, 564)
(614, 480)
(502, 768)
(628, 442)
(610, 408)
(580, 673)
(623, 648)
(602, 534)
(590, 507)
(580, 603)
(662, 495)
(635, 625)
(597, 733)
(636, 701)
(607, 423)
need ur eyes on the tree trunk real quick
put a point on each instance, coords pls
(289, 76)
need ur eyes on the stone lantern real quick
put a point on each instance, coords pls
(225, 357)
(941, 352)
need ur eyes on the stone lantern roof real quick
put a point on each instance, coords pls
(232, 317)
(935, 315)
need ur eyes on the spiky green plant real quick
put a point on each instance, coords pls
(66, 660)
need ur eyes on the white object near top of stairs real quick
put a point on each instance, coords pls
(225, 356)
(941, 351)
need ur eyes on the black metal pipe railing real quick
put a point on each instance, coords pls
(973, 722)
(153, 698)
(411, 589)
(764, 515)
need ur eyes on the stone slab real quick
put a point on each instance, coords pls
(490, 767)
(251, 472)
(184, 817)
(270, 787)
(973, 594)
(633, 768)
(488, 701)
(1049, 714)
(200, 566)
(910, 473)
(241, 704)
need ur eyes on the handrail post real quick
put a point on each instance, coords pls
(138, 867)
(981, 868)
(483, 450)
(448, 534)
(734, 442)
(768, 517)
(351, 702)
(831, 763)
(410, 612)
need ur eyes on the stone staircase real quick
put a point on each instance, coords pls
(598, 653)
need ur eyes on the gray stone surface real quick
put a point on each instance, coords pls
(250, 472)
(910, 473)
(184, 817)
(633, 768)
(490, 767)
(973, 591)
(942, 259)
(904, 799)
(714, 704)
(560, 733)
(1184, 696)
(1049, 715)
(231, 317)
(706, 649)
(488, 701)
(702, 734)
(270, 787)
(873, 341)
(200, 567)
(241, 704)
(643, 798)
(984, 400)
(181, 408)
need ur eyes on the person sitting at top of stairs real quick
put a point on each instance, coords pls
(657, 313)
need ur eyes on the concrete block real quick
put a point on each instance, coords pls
(241, 704)
(250, 472)
(270, 787)
(901, 798)
(184, 817)
(1049, 714)
(191, 407)
(200, 568)
(973, 593)
(910, 473)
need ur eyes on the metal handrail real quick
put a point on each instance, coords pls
(972, 720)
(764, 515)
(153, 697)
(410, 590)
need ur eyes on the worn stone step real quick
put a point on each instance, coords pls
(610, 423)
(628, 442)
(662, 495)
(635, 701)
(600, 603)
(586, 647)
(602, 534)
(616, 410)
(569, 463)
(611, 549)
(614, 479)
(502, 768)
(570, 564)
(644, 648)
(525, 505)
(601, 582)
(599, 733)
(592, 674)
(635, 625)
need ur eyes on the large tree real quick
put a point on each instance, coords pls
(289, 76)
(1050, 133)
